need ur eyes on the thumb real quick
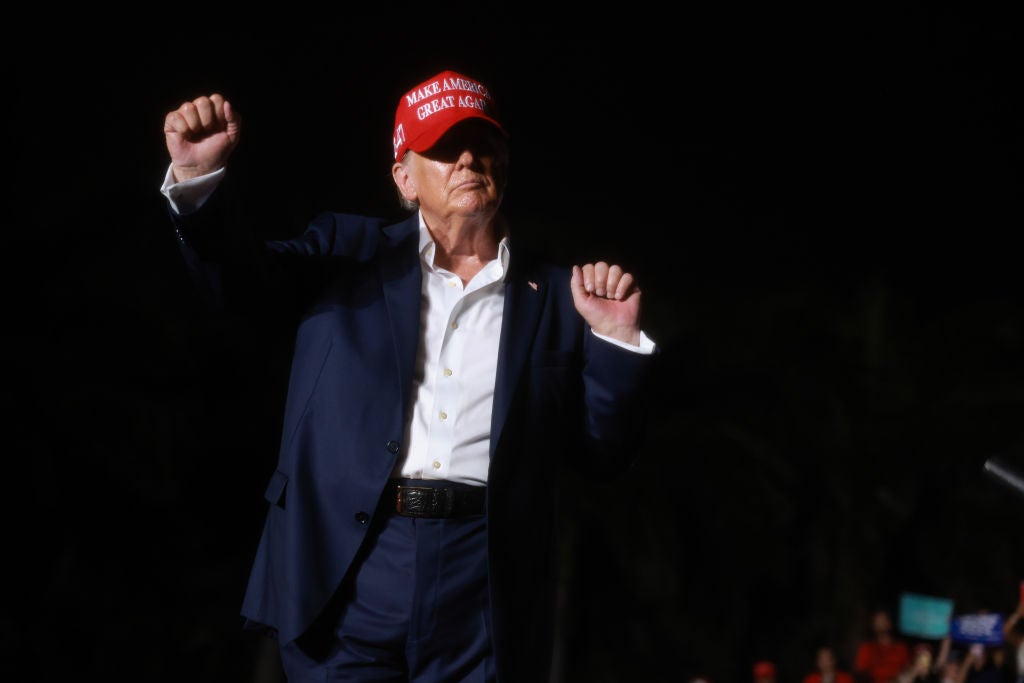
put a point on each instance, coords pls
(579, 292)
(233, 121)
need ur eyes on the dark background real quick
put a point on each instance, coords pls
(821, 205)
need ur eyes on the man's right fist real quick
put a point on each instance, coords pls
(201, 135)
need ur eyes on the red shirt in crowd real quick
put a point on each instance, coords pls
(882, 663)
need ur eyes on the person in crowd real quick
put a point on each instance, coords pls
(982, 664)
(882, 657)
(924, 667)
(764, 671)
(1013, 635)
(826, 668)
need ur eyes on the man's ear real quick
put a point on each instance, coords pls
(403, 181)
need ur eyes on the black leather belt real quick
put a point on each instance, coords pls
(420, 498)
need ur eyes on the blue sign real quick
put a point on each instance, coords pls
(924, 616)
(977, 628)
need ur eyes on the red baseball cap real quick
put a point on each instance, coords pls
(428, 110)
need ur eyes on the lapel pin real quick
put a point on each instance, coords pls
(533, 285)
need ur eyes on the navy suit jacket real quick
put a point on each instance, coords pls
(562, 397)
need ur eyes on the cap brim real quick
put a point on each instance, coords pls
(428, 138)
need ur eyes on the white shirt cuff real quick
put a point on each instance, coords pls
(646, 345)
(188, 196)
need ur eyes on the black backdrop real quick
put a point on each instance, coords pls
(820, 204)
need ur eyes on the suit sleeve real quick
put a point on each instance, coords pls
(233, 268)
(616, 396)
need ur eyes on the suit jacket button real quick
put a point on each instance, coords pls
(362, 517)
(392, 446)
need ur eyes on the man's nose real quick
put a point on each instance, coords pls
(467, 157)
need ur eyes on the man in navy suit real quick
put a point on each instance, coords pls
(441, 380)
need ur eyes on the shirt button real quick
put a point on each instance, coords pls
(447, 372)
(437, 464)
(362, 517)
(392, 446)
(455, 325)
(444, 415)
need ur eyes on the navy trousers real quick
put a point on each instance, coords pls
(414, 608)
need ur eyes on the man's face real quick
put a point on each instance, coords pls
(463, 174)
(882, 624)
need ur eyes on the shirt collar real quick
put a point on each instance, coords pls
(427, 249)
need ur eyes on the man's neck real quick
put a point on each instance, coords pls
(463, 246)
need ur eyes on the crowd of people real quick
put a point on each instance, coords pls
(887, 656)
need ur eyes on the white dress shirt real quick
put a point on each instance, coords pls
(448, 436)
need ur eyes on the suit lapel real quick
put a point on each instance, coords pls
(524, 301)
(401, 277)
